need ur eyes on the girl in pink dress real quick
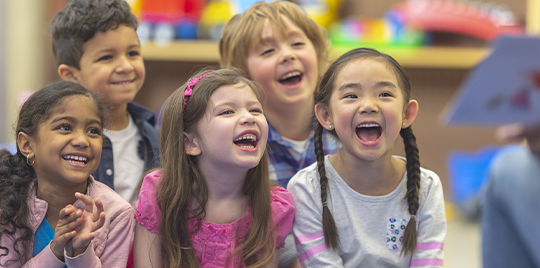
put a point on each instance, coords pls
(211, 203)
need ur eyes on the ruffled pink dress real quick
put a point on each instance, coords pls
(213, 243)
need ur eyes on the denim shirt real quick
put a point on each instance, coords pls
(148, 148)
(282, 161)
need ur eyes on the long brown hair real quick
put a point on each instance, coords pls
(237, 36)
(323, 92)
(182, 182)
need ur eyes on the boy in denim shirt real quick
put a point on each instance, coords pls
(95, 44)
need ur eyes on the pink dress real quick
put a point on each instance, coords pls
(214, 242)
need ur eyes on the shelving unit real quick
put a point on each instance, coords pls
(420, 57)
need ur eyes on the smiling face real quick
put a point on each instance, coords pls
(233, 132)
(67, 146)
(112, 66)
(367, 109)
(285, 64)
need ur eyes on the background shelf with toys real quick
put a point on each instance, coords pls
(408, 30)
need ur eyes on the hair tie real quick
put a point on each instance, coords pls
(190, 84)
(324, 204)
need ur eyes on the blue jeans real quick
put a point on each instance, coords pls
(511, 211)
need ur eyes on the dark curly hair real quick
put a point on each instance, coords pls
(80, 20)
(17, 177)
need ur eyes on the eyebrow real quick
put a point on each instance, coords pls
(379, 84)
(231, 103)
(109, 50)
(73, 120)
(294, 33)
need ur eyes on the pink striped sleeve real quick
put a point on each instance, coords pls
(426, 262)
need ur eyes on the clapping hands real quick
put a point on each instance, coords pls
(76, 228)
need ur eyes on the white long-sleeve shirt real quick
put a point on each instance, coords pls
(370, 227)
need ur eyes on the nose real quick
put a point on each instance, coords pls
(124, 65)
(80, 140)
(247, 119)
(368, 106)
(288, 54)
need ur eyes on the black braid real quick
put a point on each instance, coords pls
(331, 236)
(413, 189)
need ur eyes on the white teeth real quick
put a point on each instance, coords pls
(247, 146)
(75, 158)
(368, 125)
(290, 75)
(246, 137)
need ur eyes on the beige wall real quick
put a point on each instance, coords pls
(23, 59)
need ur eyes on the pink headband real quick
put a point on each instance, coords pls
(190, 84)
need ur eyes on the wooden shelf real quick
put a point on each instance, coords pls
(420, 57)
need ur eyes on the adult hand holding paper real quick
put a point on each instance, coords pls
(503, 89)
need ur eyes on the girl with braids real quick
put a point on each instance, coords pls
(363, 206)
(211, 203)
(52, 211)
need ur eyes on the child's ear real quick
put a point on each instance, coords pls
(411, 111)
(323, 115)
(25, 144)
(191, 144)
(68, 73)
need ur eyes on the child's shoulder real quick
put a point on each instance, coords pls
(280, 196)
(139, 112)
(429, 176)
(429, 181)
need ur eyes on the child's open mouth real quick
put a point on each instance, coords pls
(246, 141)
(76, 159)
(291, 78)
(369, 133)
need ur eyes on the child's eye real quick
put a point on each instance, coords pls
(268, 51)
(64, 127)
(226, 112)
(95, 131)
(385, 94)
(105, 58)
(133, 53)
(256, 110)
(350, 96)
(298, 44)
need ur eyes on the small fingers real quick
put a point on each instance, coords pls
(87, 201)
(69, 219)
(99, 210)
(99, 223)
(61, 240)
(66, 211)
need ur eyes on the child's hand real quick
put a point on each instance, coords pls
(91, 223)
(69, 220)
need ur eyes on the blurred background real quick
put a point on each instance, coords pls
(437, 41)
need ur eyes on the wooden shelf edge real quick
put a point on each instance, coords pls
(419, 57)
